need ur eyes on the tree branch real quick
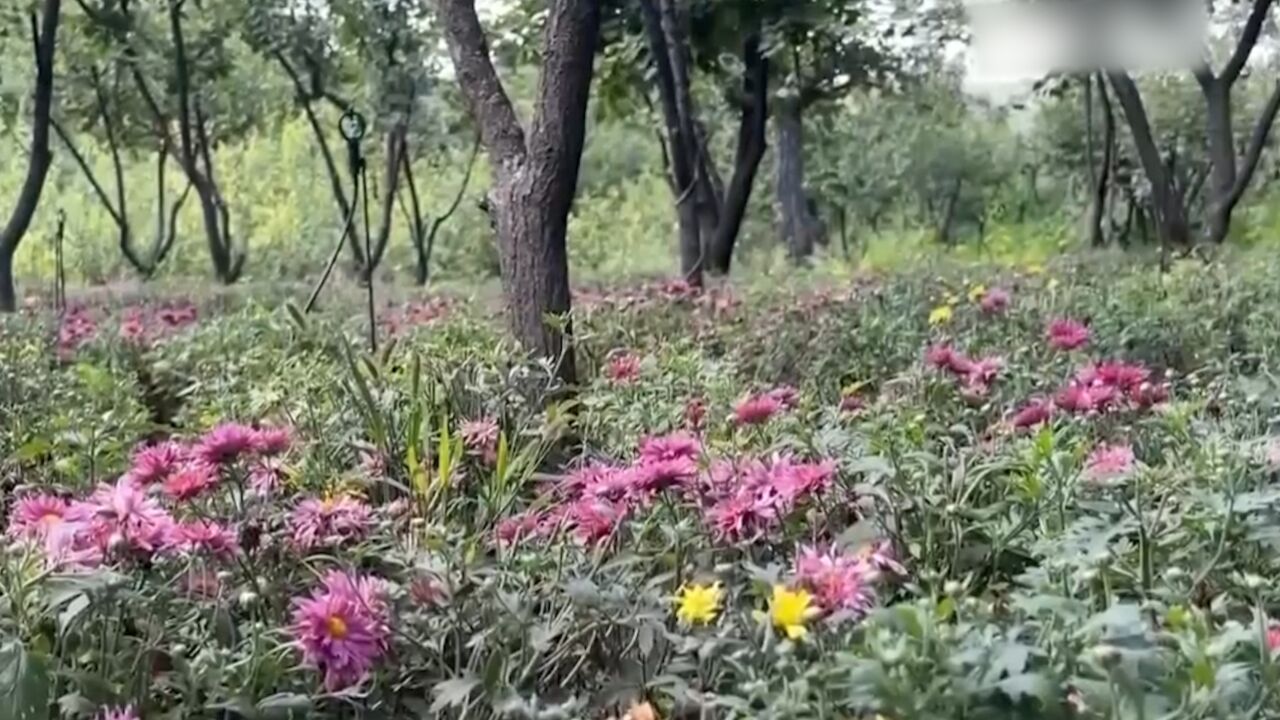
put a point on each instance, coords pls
(1257, 140)
(1248, 39)
(486, 98)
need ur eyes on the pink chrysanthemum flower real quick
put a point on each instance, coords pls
(787, 396)
(190, 481)
(881, 557)
(1036, 412)
(119, 712)
(1067, 334)
(316, 523)
(207, 536)
(652, 476)
(35, 517)
(593, 521)
(154, 463)
(481, 438)
(623, 368)
(1121, 375)
(670, 447)
(838, 582)
(373, 464)
(1273, 638)
(793, 481)
(1109, 462)
(1077, 398)
(124, 516)
(340, 632)
(945, 357)
(225, 443)
(266, 475)
(994, 301)
(756, 409)
(271, 441)
(518, 527)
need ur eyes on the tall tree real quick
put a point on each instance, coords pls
(678, 34)
(821, 50)
(535, 174)
(44, 35)
(1229, 176)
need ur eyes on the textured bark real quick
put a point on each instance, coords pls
(534, 179)
(750, 150)
(797, 227)
(44, 36)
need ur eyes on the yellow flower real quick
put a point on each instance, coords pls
(790, 609)
(1035, 269)
(977, 292)
(940, 315)
(698, 604)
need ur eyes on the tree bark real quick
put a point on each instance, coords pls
(535, 180)
(44, 37)
(750, 150)
(797, 226)
(1102, 175)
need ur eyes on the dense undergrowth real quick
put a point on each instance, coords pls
(981, 493)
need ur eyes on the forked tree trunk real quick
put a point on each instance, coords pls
(535, 179)
(45, 40)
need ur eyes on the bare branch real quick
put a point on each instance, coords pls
(1248, 39)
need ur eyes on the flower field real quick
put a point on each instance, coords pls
(978, 493)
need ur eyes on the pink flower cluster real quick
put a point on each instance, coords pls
(343, 628)
(745, 499)
(127, 519)
(1067, 334)
(329, 522)
(143, 325)
(759, 408)
(1100, 388)
(994, 301)
(623, 368)
(974, 376)
(1108, 386)
(1109, 462)
(77, 327)
(843, 583)
(115, 521)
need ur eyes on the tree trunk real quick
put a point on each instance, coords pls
(226, 266)
(750, 150)
(1170, 216)
(45, 40)
(664, 30)
(1227, 181)
(534, 180)
(944, 234)
(1101, 176)
(796, 226)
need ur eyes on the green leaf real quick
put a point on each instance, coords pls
(452, 693)
(24, 683)
(285, 706)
